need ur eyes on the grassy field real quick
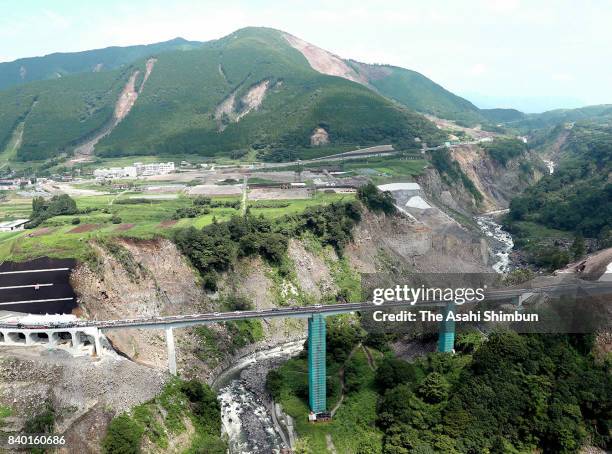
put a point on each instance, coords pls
(353, 425)
(13, 208)
(59, 237)
(382, 169)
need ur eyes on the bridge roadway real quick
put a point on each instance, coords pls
(183, 321)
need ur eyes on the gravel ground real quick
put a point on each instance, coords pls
(30, 376)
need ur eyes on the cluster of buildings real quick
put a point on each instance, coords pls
(12, 184)
(138, 169)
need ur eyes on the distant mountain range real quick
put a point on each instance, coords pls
(257, 88)
(56, 65)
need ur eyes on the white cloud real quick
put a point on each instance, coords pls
(478, 69)
(562, 77)
(56, 20)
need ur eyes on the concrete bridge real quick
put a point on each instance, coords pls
(84, 336)
(78, 341)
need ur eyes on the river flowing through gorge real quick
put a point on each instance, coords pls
(500, 240)
(246, 410)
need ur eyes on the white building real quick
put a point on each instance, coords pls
(157, 168)
(412, 189)
(136, 170)
(116, 172)
(12, 226)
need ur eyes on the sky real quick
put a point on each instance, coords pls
(532, 55)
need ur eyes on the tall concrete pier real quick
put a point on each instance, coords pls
(446, 333)
(317, 384)
(171, 350)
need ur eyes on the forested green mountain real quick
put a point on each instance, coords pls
(578, 196)
(57, 65)
(295, 101)
(417, 92)
(57, 114)
(257, 88)
(502, 115)
(250, 89)
(551, 118)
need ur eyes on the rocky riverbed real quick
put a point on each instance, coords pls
(501, 241)
(246, 409)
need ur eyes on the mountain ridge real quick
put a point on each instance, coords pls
(60, 64)
(180, 109)
(452, 106)
(257, 89)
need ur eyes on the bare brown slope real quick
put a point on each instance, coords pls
(323, 61)
(123, 106)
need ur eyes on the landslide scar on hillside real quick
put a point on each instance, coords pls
(230, 111)
(123, 106)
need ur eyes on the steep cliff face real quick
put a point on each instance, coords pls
(129, 280)
(496, 182)
(445, 195)
(432, 242)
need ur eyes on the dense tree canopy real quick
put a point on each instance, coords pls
(515, 394)
(504, 149)
(578, 196)
(375, 200)
(44, 209)
(216, 247)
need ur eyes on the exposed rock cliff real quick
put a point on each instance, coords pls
(496, 182)
(134, 278)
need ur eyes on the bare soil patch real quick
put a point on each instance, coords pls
(319, 137)
(124, 227)
(324, 62)
(84, 228)
(42, 231)
(168, 223)
(278, 194)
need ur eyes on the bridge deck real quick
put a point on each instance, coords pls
(180, 321)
